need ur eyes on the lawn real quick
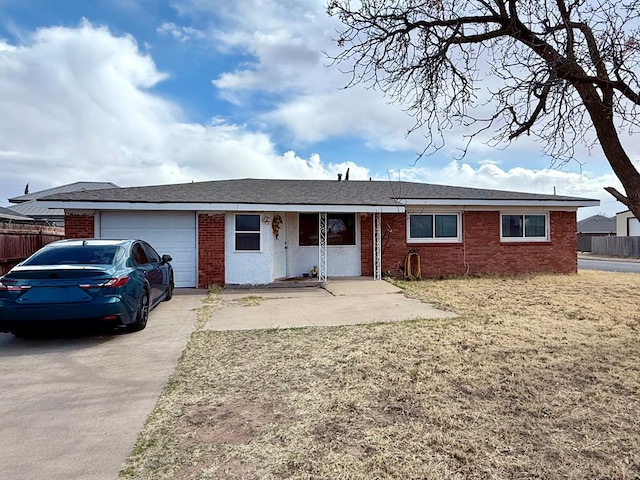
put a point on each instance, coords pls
(538, 378)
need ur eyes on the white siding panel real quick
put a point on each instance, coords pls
(634, 227)
(248, 267)
(342, 261)
(173, 233)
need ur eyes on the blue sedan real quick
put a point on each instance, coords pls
(85, 282)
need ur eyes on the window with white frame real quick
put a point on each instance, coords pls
(433, 227)
(524, 227)
(248, 232)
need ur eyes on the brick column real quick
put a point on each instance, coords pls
(366, 245)
(211, 236)
(79, 224)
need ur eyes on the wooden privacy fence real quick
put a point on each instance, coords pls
(616, 246)
(18, 241)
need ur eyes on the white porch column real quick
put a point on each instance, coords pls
(377, 246)
(322, 247)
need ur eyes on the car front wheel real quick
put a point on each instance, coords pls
(142, 314)
(169, 293)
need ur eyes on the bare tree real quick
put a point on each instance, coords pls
(566, 71)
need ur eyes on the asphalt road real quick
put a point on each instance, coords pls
(609, 265)
(71, 407)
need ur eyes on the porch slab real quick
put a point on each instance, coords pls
(339, 302)
(359, 286)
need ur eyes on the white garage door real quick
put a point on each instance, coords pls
(634, 227)
(173, 233)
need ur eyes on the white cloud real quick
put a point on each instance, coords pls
(316, 117)
(182, 34)
(5, 47)
(285, 41)
(283, 60)
(78, 104)
(491, 176)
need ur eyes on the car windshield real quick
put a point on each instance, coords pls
(75, 254)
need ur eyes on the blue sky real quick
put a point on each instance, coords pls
(141, 92)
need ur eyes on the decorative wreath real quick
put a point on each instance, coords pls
(275, 225)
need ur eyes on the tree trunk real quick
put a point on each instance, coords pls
(602, 118)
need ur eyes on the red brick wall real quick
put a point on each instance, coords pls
(366, 245)
(211, 250)
(79, 225)
(480, 253)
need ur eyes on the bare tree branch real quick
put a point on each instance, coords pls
(618, 196)
(563, 71)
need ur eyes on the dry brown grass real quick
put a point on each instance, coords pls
(537, 379)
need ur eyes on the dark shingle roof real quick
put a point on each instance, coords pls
(299, 192)
(597, 224)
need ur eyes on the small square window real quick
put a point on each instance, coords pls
(512, 226)
(524, 227)
(341, 229)
(247, 223)
(446, 226)
(247, 232)
(421, 226)
(437, 227)
(534, 226)
(308, 232)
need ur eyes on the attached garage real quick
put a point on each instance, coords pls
(173, 233)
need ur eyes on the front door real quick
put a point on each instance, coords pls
(279, 227)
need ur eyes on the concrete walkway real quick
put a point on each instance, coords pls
(340, 302)
(73, 406)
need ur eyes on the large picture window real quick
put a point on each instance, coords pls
(341, 229)
(436, 227)
(515, 227)
(247, 232)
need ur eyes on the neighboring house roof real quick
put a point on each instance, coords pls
(36, 210)
(263, 192)
(27, 204)
(623, 212)
(71, 187)
(597, 224)
(11, 216)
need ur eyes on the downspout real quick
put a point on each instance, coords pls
(464, 243)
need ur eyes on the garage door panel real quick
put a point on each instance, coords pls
(168, 236)
(171, 233)
(148, 220)
(634, 227)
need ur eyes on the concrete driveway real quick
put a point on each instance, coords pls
(346, 301)
(72, 407)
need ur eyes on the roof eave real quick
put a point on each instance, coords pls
(273, 207)
(503, 203)
(221, 207)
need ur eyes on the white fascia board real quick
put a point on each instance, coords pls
(505, 203)
(221, 207)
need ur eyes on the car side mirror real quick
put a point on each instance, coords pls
(166, 258)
